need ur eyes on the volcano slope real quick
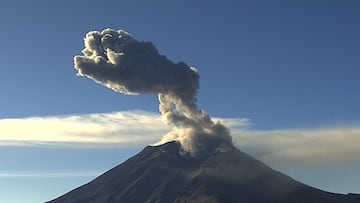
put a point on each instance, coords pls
(165, 174)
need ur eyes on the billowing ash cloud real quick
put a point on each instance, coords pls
(118, 61)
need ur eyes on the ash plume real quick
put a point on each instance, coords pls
(115, 59)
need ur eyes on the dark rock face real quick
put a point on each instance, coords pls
(161, 174)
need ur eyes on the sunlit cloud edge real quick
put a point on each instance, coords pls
(140, 128)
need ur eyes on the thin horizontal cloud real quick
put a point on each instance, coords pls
(138, 128)
(36, 174)
(312, 147)
(100, 130)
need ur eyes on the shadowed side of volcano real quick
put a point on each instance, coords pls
(164, 174)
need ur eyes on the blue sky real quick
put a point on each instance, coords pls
(289, 67)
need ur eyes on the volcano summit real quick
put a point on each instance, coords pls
(163, 174)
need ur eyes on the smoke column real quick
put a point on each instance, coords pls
(118, 61)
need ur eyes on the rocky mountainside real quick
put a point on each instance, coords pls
(162, 174)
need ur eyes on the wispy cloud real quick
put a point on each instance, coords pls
(302, 146)
(138, 128)
(37, 174)
(118, 128)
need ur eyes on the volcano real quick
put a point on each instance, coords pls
(165, 174)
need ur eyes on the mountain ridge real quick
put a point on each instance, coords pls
(165, 174)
